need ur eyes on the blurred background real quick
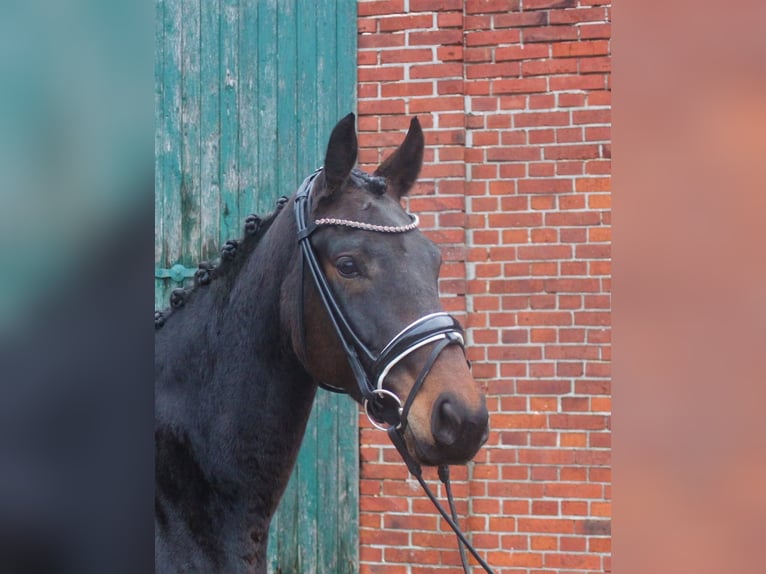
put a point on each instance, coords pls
(76, 185)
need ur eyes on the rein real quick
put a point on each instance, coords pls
(383, 407)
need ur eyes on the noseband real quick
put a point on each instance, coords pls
(383, 407)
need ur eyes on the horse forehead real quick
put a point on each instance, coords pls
(362, 205)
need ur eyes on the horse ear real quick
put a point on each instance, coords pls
(402, 167)
(341, 154)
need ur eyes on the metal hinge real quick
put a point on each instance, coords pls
(176, 273)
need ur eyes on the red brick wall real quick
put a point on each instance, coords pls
(514, 97)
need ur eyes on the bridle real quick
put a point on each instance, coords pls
(370, 369)
(383, 407)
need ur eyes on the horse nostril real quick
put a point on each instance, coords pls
(446, 424)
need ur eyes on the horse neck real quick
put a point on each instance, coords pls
(231, 390)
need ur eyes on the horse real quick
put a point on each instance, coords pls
(336, 288)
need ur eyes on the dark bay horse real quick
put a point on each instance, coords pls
(238, 358)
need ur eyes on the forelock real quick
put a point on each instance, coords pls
(372, 183)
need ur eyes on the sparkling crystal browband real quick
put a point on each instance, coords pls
(369, 226)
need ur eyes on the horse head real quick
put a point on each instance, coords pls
(381, 274)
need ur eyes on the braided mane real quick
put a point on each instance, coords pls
(233, 254)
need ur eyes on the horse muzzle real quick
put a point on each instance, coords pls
(457, 430)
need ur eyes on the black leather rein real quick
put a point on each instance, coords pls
(383, 407)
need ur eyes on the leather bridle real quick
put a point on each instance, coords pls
(370, 369)
(384, 408)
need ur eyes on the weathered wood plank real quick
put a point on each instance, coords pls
(346, 547)
(248, 107)
(288, 90)
(309, 156)
(171, 141)
(159, 179)
(210, 131)
(190, 131)
(328, 505)
(229, 55)
(267, 136)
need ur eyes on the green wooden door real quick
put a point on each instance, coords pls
(246, 95)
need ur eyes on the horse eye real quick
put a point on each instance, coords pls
(346, 266)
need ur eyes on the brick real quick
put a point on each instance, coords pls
(405, 56)
(382, 569)
(598, 234)
(546, 235)
(538, 252)
(487, 70)
(584, 151)
(369, 41)
(598, 116)
(381, 107)
(569, 135)
(520, 19)
(583, 48)
(477, 54)
(593, 252)
(377, 7)
(545, 185)
(386, 504)
(546, 525)
(405, 23)
(406, 89)
(547, 4)
(598, 65)
(599, 545)
(520, 85)
(489, 6)
(450, 20)
(366, 25)
(440, 103)
(549, 34)
(573, 561)
(445, 70)
(449, 53)
(492, 37)
(569, 167)
(529, 119)
(569, 202)
(435, 5)
(367, 58)
(600, 98)
(548, 67)
(541, 169)
(387, 74)
(409, 556)
(578, 15)
(517, 153)
(585, 82)
(594, 31)
(434, 37)
(571, 100)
